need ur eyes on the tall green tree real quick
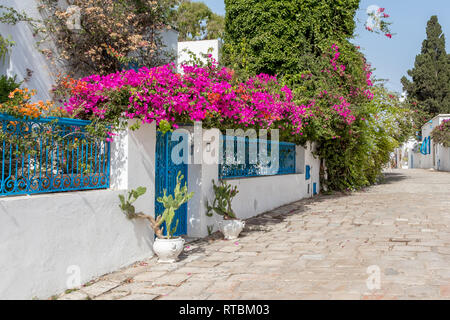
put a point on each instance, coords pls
(283, 36)
(430, 85)
(196, 21)
(306, 43)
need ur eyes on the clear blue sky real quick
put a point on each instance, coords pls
(392, 57)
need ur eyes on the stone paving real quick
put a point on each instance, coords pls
(317, 248)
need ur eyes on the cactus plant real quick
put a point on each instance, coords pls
(224, 194)
(170, 203)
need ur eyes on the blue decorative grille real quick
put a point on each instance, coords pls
(32, 162)
(246, 157)
(166, 176)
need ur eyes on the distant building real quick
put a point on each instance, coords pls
(427, 154)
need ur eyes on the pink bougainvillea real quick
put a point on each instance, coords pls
(195, 94)
(199, 94)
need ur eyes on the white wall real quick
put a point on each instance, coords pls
(198, 47)
(24, 54)
(438, 158)
(260, 194)
(444, 159)
(257, 194)
(42, 235)
(200, 176)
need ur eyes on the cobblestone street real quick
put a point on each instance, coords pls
(317, 248)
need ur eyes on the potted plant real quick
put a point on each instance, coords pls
(167, 247)
(230, 226)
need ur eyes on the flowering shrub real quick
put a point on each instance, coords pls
(441, 134)
(336, 105)
(7, 84)
(201, 93)
(208, 94)
(108, 32)
(20, 106)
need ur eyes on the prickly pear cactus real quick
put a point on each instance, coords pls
(170, 203)
(221, 205)
(173, 203)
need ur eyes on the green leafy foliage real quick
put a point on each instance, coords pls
(292, 39)
(224, 194)
(284, 37)
(7, 85)
(428, 90)
(356, 159)
(5, 46)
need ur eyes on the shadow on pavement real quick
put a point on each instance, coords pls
(393, 177)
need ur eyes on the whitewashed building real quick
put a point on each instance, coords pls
(427, 154)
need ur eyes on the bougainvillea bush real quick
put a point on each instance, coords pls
(353, 150)
(209, 94)
(441, 134)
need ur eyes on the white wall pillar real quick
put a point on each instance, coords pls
(133, 163)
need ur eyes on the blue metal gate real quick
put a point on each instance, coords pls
(166, 177)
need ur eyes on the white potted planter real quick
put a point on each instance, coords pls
(231, 228)
(168, 250)
(166, 247)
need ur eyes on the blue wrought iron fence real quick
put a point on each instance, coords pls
(244, 157)
(50, 155)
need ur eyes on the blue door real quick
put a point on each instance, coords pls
(166, 177)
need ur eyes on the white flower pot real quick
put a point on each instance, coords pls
(168, 250)
(231, 228)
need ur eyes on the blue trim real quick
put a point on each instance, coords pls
(51, 166)
(307, 172)
(251, 163)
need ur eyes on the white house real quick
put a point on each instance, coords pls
(427, 154)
